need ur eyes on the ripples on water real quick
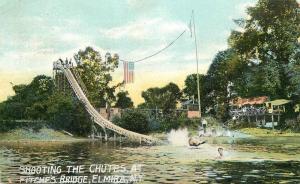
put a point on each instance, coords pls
(267, 160)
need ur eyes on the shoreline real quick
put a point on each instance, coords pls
(47, 135)
(56, 136)
(261, 132)
(42, 135)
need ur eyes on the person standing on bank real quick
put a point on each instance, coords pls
(204, 125)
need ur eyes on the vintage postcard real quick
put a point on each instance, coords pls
(149, 91)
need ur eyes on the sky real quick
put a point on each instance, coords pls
(34, 33)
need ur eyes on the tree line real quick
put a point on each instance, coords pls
(262, 59)
(43, 100)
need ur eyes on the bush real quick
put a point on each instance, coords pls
(154, 125)
(134, 121)
(9, 125)
(241, 124)
(169, 123)
(291, 124)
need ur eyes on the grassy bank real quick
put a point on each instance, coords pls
(43, 134)
(260, 132)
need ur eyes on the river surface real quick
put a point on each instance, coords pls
(246, 160)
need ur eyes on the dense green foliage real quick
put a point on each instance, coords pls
(216, 86)
(269, 46)
(165, 98)
(170, 122)
(8, 125)
(66, 113)
(190, 89)
(29, 101)
(133, 120)
(142, 122)
(40, 101)
(263, 59)
(95, 74)
(123, 101)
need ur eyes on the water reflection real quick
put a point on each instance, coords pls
(254, 160)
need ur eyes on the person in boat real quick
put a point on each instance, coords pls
(195, 141)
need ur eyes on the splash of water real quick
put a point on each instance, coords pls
(178, 137)
(221, 132)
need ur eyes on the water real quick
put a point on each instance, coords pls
(246, 160)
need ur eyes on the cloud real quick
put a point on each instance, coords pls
(143, 5)
(144, 29)
(242, 8)
(241, 12)
(22, 66)
(79, 41)
(72, 37)
(192, 56)
(205, 54)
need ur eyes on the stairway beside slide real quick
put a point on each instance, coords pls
(97, 118)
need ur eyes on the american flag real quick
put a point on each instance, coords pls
(128, 72)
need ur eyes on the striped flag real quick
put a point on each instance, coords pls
(128, 72)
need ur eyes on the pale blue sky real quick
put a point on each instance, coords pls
(34, 33)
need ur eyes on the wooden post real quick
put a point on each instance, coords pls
(115, 137)
(105, 135)
(196, 52)
(272, 121)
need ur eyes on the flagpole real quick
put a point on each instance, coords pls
(196, 49)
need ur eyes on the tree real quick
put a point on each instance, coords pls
(123, 101)
(295, 81)
(65, 113)
(40, 101)
(268, 42)
(190, 89)
(95, 74)
(134, 121)
(164, 98)
(174, 90)
(28, 101)
(219, 81)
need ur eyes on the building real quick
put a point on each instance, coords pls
(192, 108)
(276, 106)
(113, 112)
